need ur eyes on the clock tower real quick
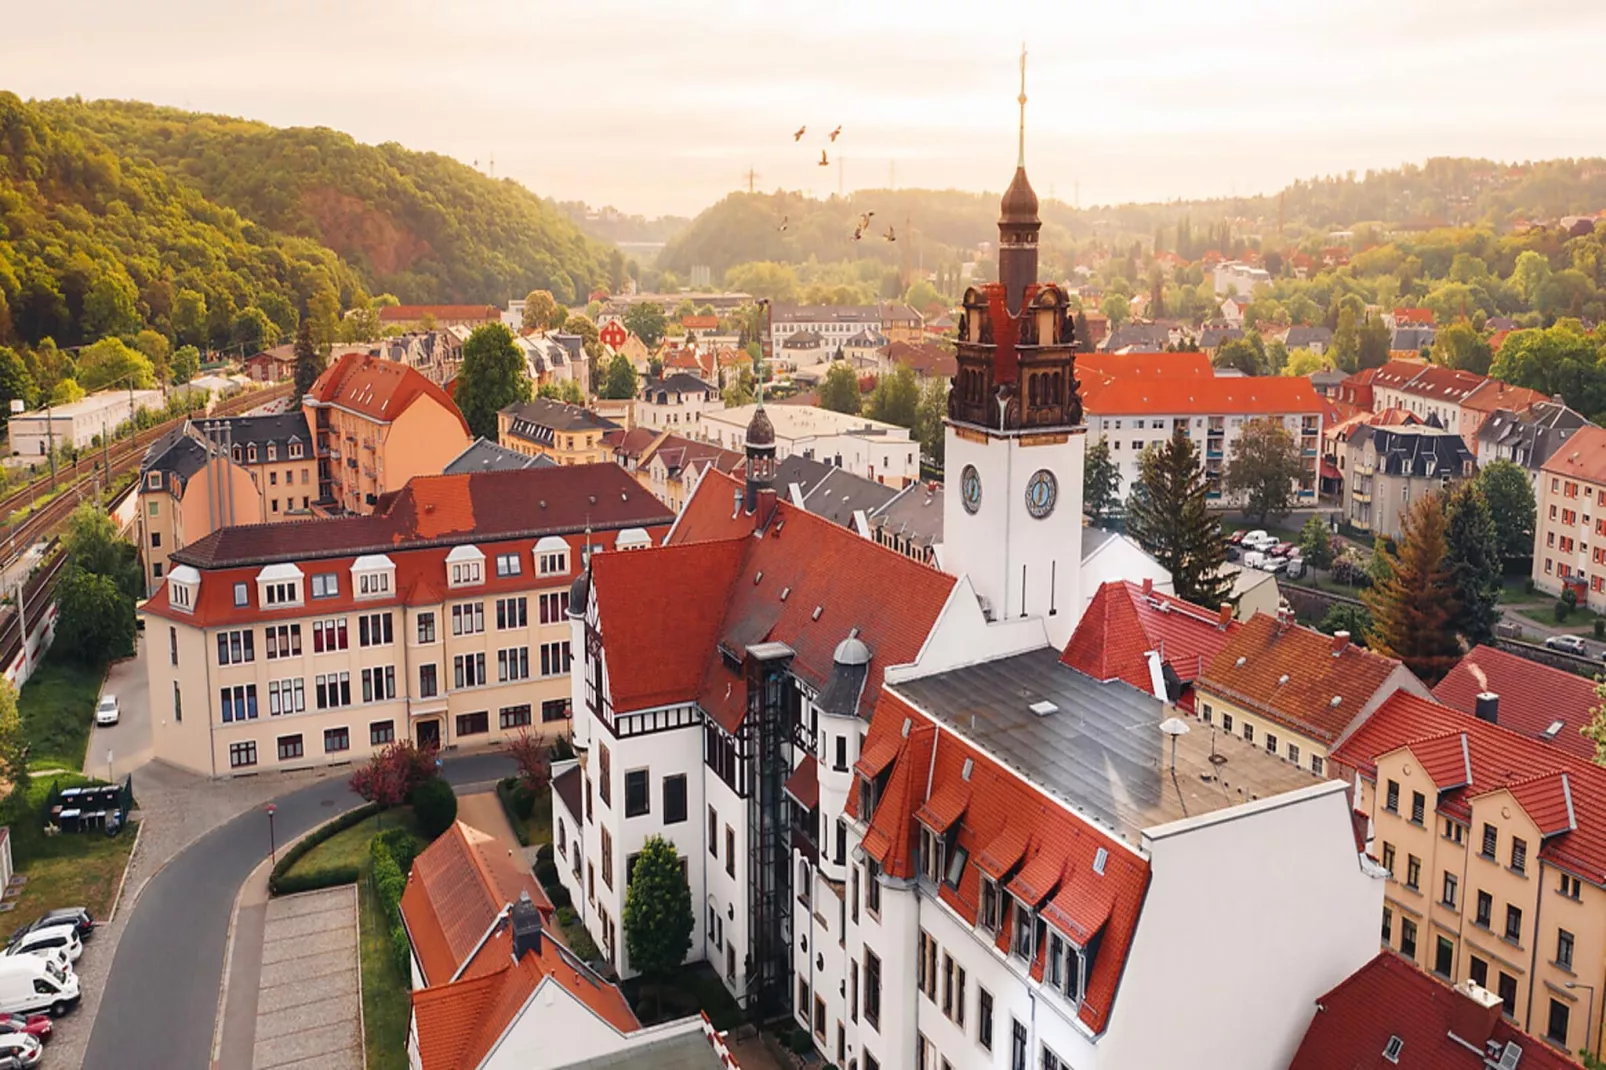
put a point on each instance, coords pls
(1012, 517)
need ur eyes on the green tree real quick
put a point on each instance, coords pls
(491, 377)
(435, 806)
(1240, 353)
(156, 349)
(1316, 543)
(1374, 343)
(658, 919)
(566, 391)
(621, 381)
(895, 397)
(95, 620)
(253, 331)
(1101, 482)
(186, 363)
(1414, 608)
(587, 330)
(1529, 275)
(1305, 362)
(1472, 548)
(931, 429)
(646, 321)
(94, 545)
(66, 392)
(1510, 497)
(839, 390)
(13, 754)
(1168, 514)
(309, 358)
(110, 306)
(110, 363)
(739, 390)
(1459, 346)
(1595, 730)
(764, 279)
(1117, 309)
(189, 317)
(1346, 349)
(1344, 617)
(15, 382)
(1264, 467)
(539, 307)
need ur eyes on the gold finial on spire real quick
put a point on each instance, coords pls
(1021, 159)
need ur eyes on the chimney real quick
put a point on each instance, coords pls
(764, 508)
(1488, 707)
(1340, 642)
(526, 921)
(1226, 616)
(1473, 1014)
(1148, 586)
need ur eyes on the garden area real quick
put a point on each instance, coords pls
(83, 869)
(57, 706)
(1564, 614)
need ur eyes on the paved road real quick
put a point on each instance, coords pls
(160, 1002)
(129, 740)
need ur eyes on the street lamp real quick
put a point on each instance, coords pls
(1589, 1015)
(273, 848)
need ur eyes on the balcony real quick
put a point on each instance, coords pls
(1364, 497)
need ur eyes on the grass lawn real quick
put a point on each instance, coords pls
(386, 1002)
(695, 987)
(349, 847)
(537, 828)
(1579, 621)
(57, 705)
(73, 869)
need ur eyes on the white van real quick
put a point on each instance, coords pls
(50, 938)
(29, 984)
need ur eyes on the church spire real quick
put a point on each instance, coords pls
(1018, 223)
(1020, 158)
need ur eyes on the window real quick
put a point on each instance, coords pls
(1052, 1061)
(1513, 923)
(513, 717)
(242, 754)
(872, 989)
(987, 916)
(178, 703)
(607, 859)
(468, 670)
(1478, 971)
(328, 635)
(1293, 753)
(1413, 872)
(379, 684)
(239, 703)
(1248, 732)
(1419, 805)
(336, 739)
(465, 572)
(375, 629)
(713, 832)
(1564, 949)
(373, 583)
(428, 685)
(605, 774)
(675, 799)
(513, 664)
(1021, 944)
(1226, 723)
(234, 648)
(468, 618)
(474, 724)
(554, 709)
(280, 594)
(931, 848)
(819, 1017)
(286, 696)
(283, 640)
(1017, 1043)
(1519, 855)
(1443, 956)
(512, 613)
(853, 991)
(1491, 841)
(637, 799)
(554, 607)
(1569, 884)
(1508, 994)
(507, 564)
(1448, 895)
(926, 966)
(554, 658)
(381, 733)
(1317, 764)
(872, 888)
(290, 748)
(1408, 938)
(730, 851)
(1485, 909)
(1391, 1050)
(1388, 858)
(984, 1018)
(242, 595)
(553, 563)
(1452, 830)
(1556, 1030)
(1393, 797)
(333, 690)
(1271, 743)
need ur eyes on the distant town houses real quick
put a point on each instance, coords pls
(1527, 438)
(415, 317)
(1571, 494)
(825, 328)
(569, 434)
(1237, 277)
(881, 452)
(676, 402)
(1389, 468)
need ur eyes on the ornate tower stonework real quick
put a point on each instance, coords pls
(1013, 513)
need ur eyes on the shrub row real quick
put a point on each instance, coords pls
(311, 880)
(516, 803)
(390, 880)
(296, 851)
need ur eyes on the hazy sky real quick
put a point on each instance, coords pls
(661, 106)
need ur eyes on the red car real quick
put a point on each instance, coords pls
(1282, 549)
(35, 1025)
(1237, 537)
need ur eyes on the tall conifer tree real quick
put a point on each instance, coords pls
(1473, 548)
(1414, 609)
(1168, 514)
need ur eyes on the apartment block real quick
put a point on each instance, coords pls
(569, 434)
(1570, 533)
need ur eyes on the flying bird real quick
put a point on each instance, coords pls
(858, 232)
(864, 221)
(889, 235)
(800, 132)
(835, 133)
(824, 162)
(784, 220)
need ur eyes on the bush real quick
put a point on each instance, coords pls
(543, 853)
(1528, 585)
(562, 750)
(1349, 571)
(1566, 603)
(435, 806)
(402, 845)
(517, 804)
(390, 881)
(560, 896)
(1600, 629)
(546, 873)
(297, 850)
(799, 1042)
(566, 916)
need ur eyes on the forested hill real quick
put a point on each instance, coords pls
(747, 227)
(418, 225)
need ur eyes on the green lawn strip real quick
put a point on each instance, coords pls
(70, 869)
(57, 705)
(349, 847)
(386, 998)
(1578, 622)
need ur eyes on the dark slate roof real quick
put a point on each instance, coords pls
(1305, 337)
(840, 494)
(803, 340)
(486, 456)
(842, 693)
(1532, 436)
(279, 428)
(567, 787)
(536, 420)
(681, 382)
(1412, 338)
(804, 471)
(175, 454)
(1415, 451)
(915, 514)
(1212, 337)
(1149, 337)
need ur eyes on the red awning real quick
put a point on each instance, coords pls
(1330, 471)
(804, 783)
(943, 809)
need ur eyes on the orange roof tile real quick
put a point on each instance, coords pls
(1123, 623)
(1581, 457)
(377, 389)
(1533, 697)
(1229, 395)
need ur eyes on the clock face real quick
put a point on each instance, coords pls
(970, 488)
(1042, 490)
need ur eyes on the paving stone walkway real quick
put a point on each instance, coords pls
(309, 1001)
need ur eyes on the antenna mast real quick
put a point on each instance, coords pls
(1020, 160)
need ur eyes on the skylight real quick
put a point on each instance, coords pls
(1391, 1050)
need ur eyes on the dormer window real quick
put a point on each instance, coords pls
(251, 453)
(507, 564)
(1063, 970)
(273, 451)
(182, 584)
(373, 576)
(1020, 942)
(153, 480)
(295, 451)
(551, 556)
(931, 853)
(465, 566)
(279, 586)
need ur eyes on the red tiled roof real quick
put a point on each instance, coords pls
(927, 358)
(1404, 317)
(458, 886)
(1396, 373)
(804, 783)
(407, 313)
(700, 323)
(1229, 395)
(377, 389)
(1532, 696)
(1500, 759)
(1494, 394)
(632, 443)
(1390, 998)
(1112, 366)
(1291, 675)
(679, 454)
(1438, 383)
(1005, 819)
(1122, 624)
(1583, 456)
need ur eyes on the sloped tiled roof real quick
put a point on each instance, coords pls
(483, 455)
(377, 389)
(1582, 457)
(1123, 623)
(1240, 395)
(1390, 998)
(1291, 675)
(1494, 394)
(1533, 697)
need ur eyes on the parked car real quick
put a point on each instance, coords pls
(1259, 540)
(23, 1050)
(1282, 549)
(29, 983)
(78, 917)
(35, 1025)
(1236, 538)
(1233, 553)
(1569, 644)
(107, 712)
(1296, 567)
(49, 939)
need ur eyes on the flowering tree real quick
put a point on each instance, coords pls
(392, 774)
(534, 762)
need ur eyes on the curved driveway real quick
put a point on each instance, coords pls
(161, 1000)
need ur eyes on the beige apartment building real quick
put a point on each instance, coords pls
(376, 424)
(441, 618)
(1493, 842)
(1390, 467)
(1570, 531)
(569, 434)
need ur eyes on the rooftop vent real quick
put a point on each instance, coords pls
(1283, 679)
(784, 592)
(1240, 662)
(1487, 707)
(758, 576)
(817, 611)
(907, 724)
(1043, 708)
(1391, 1050)
(1338, 700)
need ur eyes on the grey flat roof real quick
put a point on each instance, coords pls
(685, 1051)
(1101, 751)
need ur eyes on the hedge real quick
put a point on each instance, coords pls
(513, 800)
(277, 883)
(314, 879)
(390, 881)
